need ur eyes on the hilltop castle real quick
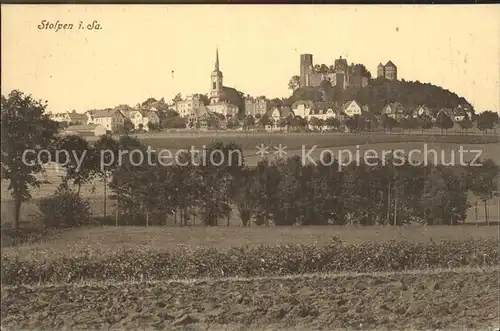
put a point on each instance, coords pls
(340, 74)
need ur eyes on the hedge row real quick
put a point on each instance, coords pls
(137, 265)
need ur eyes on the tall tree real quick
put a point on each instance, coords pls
(26, 130)
(294, 83)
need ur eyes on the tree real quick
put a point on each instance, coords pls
(483, 181)
(294, 83)
(389, 122)
(213, 122)
(314, 122)
(25, 127)
(425, 123)
(444, 122)
(332, 122)
(177, 98)
(245, 197)
(265, 120)
(487, 120)
(248, 121)
(352, 124)
(466, 124)
(63, 208)
(128, 126)
(80, 161)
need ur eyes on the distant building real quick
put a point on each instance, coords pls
(186, 106)
(219, 102)
(462, 112)
(111, 119)
(275, 115)
(199, 117)
(69, 118)
(351, 108)
(394, 110)
(142, 118)
(421, 110)
(340, 74)
(388, 71)
(85, 130)
(256, 106)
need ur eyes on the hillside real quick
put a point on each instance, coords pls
(381, 91)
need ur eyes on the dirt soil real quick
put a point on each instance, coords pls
(414, 301)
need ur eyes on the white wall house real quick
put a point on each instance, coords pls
(185, 107)
(111, 119)
(302, 108)
(351, 108)
(421, 111)
(143, 118)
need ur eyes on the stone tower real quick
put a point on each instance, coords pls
(306, 65)
(391, 71)
(216, 81)
(380, 70)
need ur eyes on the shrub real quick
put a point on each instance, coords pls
(64, 208)
(146, 264)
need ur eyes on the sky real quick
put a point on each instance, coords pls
(132, 56)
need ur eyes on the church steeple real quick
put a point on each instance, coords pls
(217, 59)
(216, 80)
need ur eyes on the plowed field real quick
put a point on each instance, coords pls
(445, 300)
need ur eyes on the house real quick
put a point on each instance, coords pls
(142, 119)
(186, 106)
(86, 130)
(111, 119)
(459, 114)
(302, 108)
(446, 111)
(394, 110)
(69, 118)
(420, 111)
(199, 118)
(351, 108)
(255, 106)
(224, 108)
(325, 110)
(275, 115)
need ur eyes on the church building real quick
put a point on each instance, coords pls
(218, 102)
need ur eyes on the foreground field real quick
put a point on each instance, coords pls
(87, 260)
(157, 238)
(445, 300)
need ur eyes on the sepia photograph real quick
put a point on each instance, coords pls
(250, 167)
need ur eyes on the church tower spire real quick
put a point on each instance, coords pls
(217, 59)
(216, 80)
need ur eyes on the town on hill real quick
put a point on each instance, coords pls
(338, 97)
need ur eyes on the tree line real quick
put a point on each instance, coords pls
(280, 192)
(287, 192)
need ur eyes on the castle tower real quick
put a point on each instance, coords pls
(216, 81)
(380, 70)
(306, 65)
(390, 71)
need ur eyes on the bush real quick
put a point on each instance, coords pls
(64, 208)
(145, 264)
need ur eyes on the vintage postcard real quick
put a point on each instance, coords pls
(250, 167)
